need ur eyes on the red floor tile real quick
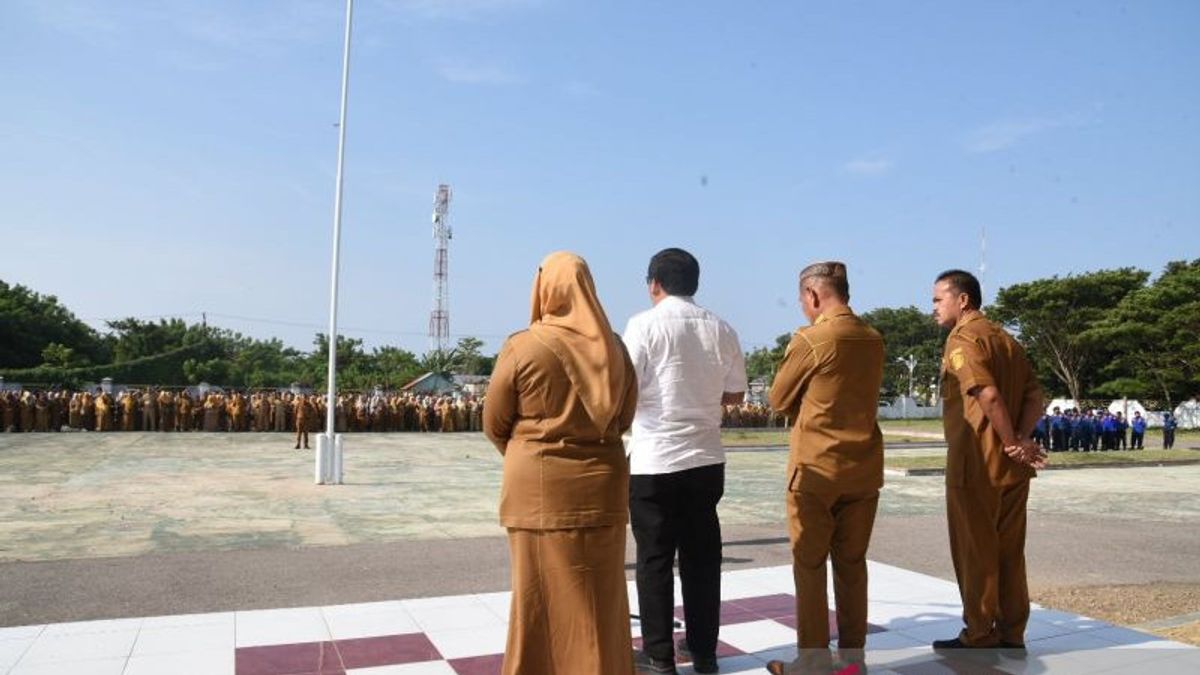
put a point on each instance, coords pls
(478, 665)
(295, 659)
(387, 650)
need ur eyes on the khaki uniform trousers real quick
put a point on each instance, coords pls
(836, 526)
(570, 607)
(987, 545)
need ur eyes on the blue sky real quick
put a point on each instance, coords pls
(171, 157)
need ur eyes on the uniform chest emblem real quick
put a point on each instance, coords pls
(957, 359)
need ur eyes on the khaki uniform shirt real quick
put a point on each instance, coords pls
(829, 383)
(560, 471)
(979, 353)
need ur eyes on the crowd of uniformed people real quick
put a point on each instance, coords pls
(162, 409)
(1091, 430)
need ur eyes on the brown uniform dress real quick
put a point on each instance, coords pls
(829, 380)
(564, 495)
(986, 491)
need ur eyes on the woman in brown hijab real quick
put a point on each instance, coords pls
(561, 395)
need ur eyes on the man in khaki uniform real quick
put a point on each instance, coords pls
(303, 416)
(279, 412)
(830, 378)
(183, 416)
(991, 403)
(166, 411)
(149, 411)
(104, 412)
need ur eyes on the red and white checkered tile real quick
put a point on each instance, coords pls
(465, 635)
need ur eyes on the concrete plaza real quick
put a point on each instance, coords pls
(137, 526)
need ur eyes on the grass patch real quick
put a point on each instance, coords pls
(742, 438)
(1117, 457)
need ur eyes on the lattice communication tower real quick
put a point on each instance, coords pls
(439, 318)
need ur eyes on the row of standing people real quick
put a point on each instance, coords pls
(566, 389)
(262, 411)
(1091, 431)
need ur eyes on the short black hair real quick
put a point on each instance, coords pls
(676, 270)
(963, 282)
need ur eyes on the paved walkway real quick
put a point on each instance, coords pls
(465, 634)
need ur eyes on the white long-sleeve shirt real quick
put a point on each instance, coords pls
(686, 357)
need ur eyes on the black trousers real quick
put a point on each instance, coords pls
(673, 512)
(1135, 440)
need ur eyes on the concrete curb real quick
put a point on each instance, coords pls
(891, 471)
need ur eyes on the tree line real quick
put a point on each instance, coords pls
(1101, 334)
(42, 341)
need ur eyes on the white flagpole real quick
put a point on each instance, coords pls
(328, 471)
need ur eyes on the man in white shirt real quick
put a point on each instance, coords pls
(689, 365)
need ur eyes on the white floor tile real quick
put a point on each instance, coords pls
(1127, 638)
(461, 643)
(21, 632)
(171, 621)
(890, 640)
(927, 632)
(81, 647)
(86, 627)
(757, 636)
(1038, 630)
(209, 662)
(499, 603)
(474, 615)
(347, 621)
(110, 666)
(11, 651)
(746, 663)
(280, 626)
(210, 638)
(440, 601)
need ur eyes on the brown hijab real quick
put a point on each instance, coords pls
(567, 318)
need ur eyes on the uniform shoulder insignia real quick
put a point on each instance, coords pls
(957, 359)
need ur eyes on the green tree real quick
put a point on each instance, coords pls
(1051, 315)
(908, 332)
(30, 322)
(1152, 338)
(763, 362)
(56, 355)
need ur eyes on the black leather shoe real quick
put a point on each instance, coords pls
(953, 643)
(700, 664)
(1015, 646)
(644, 663)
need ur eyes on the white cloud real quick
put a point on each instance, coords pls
(869, 167)
(1006, 133)
(485, 74)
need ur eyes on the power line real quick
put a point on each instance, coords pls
(293, 324)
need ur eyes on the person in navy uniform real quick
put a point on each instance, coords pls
(1075, 425)
(1058, 431)
(1110, 431)
(1097, 430)
(1169, 426)
(1122, 428)
(1041, 432)
(1086, 431)
(1138, 425)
